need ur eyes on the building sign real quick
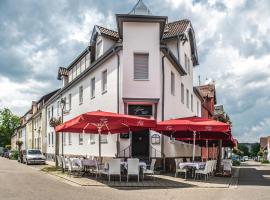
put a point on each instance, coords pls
(141, 110)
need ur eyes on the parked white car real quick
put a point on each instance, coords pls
(33, 156)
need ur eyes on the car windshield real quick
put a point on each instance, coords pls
(33, 152)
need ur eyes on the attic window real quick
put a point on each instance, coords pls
(166, 30)
(98, 48)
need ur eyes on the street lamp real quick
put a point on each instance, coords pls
(62, 105)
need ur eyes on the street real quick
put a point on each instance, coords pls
(23, 182)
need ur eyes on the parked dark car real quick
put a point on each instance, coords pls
(5, 153)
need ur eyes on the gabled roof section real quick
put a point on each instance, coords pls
(62, 71)
(208, 91)
(176, 28)
(140, 9)
(108, 32)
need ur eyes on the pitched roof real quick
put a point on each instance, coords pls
(108, 32)
(175, 28)
(140, 9)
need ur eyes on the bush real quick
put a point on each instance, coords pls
(235, 163)
(265, 162)
(14, 155)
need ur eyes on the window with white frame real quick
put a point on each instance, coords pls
(182, 93)
(82, 64)
(52, 111)
(104, 81)
(58, 108)
(93, 87)
(80, 94)
(99, 49)
(49, 139)
(141, 66)
(92, 138)
(191, 102)
(78, 68)
(187, 96)
(74, 72)
(69, 102)
(65, 138)
(87, 62)
(172, 83)
(52, 138)
(69, 139)
(186, 62)
(80, 139)
(103, 139)
(49, 114)
(70, 75)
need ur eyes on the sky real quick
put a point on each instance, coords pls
(233, 41)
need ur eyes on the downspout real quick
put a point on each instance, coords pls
(162, 110)
(118, 99)
(178, 52)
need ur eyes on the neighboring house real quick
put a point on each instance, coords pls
(39, 122)
(145, 68)
(29, 128)
(208, 93)
(14, 138)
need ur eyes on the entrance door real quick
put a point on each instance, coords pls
(140, 144)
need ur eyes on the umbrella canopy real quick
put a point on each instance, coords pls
(104, 123)
(229, 142)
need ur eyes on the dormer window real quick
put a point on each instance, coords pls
(98, 48)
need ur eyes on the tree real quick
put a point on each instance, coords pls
(8, 123)
(53, 123)
(255, 148)
(244, 149)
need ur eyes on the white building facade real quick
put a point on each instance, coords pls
(145, 68)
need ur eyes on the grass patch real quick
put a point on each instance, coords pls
(51, 169)
(265, 162)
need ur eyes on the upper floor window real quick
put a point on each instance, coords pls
(93, 87)
(191, 102)
(172, 83)
(187, 95)
(80, 94)
(141, 66)
(70, 75)
(58, 108)
(82, 64)
(49, 139)
(78, 69)
(69, 139)
(87, 61)
(92, 138)
(104, 81)
(74, 72)
(99, 48)
(52, 111)
(49, 114)
(80, 139)
(182, 93)
(69, 102)
(186, 62)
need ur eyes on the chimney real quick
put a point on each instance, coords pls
(63, 75)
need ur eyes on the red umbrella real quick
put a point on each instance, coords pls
(105, 122)
(187, 128)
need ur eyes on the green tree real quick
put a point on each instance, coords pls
(8, 123)
(244, 149)
(255, 148)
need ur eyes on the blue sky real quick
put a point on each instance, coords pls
(233, 40)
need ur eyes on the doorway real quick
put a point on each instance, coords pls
(140, 144)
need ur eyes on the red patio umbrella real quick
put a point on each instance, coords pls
(187, 128)
(104, 123)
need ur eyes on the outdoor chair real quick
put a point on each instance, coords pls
(114, 168)
(73, 168)
(178, 169)
(227, 166)
(59, 160)
(205, 171)
(133, 168)
(64, 163)
(150, 171)
(97, 170)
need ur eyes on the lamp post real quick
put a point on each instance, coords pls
(62, 105)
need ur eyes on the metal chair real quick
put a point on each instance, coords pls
(133, 168)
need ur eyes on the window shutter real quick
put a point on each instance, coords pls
(141, 71)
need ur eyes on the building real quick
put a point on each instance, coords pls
(39, 122)
(145, 68)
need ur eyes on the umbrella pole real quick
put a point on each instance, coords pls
(194, 147)
(207, 152)
(99, 145)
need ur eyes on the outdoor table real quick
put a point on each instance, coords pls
(88, 164)
(142, 165)
(192, 166)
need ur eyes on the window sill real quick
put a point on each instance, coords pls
(104, 92)
(141, 79)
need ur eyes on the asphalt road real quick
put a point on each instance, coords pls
(22, 182)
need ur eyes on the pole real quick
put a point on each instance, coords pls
(99, 144)
(194, 147)
(62, 120)
(207, 152)
(213, 151)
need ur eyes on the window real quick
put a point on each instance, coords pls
(74, 72)
(49, 114)
(104, 81)
(80, 139)
(188, 66)
(49, 139)
(187, 95)
(52, 138)
(69, 139)
(191, 102)
(80, 94)
(182, 93)
(58, 108)
(186, 60)
(141, 69)
(64, 138)
(69, 101)
(172, 83)
(198, 108)
(70, 78)
(52, 111)
(103, 138)
(92, 138)
(87, 62)
(93, 83)
(99, 49)
(82, 64)
(78, 69)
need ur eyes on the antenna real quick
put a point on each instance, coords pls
(199, 78)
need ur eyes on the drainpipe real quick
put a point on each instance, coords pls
(118, 99)
(162, 110)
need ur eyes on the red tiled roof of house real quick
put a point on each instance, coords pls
(108, 32)
(62, 71)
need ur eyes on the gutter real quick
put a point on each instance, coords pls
(162, 109)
